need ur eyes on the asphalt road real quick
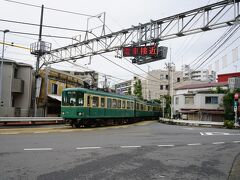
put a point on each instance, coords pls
(148, 150)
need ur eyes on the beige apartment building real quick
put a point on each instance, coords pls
(158, 83)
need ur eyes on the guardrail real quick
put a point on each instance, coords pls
(31, 120)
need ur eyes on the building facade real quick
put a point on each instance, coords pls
(158, 83)
(90, 78)
(53, 82)
(225, 77)
(17, 89)
(199, 75)
(198, 102)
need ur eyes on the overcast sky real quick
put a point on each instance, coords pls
(119, 15)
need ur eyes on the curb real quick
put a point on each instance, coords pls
(235, 169)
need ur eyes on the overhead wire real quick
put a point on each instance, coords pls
(53, 9)
(34, 34)
(209, 49)
(47, 26)
(217, 48)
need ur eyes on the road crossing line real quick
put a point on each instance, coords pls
(38, 149)
(215, 143)
(195, 144)
(84, 148)
(166, 145)
(130, 146)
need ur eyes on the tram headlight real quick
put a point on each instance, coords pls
(80, 113)
(63, 113)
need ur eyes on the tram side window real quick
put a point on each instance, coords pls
(114, 103)
(132, 107)
(103, 102)
(141, 107)
(124, 104)
(128, 105)
(88, 100)
(119, 104)
(138, 108)
(95, 102)
(109, 103)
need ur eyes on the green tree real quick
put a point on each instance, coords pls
(138, 89)
(228, 103)
(129, 92)
(167, 109)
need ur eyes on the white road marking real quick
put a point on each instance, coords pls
(130, 146)
(166, 145)
(217, 134)
(83, 148)
(218, 142)
(194, 144)
(38, 149)
(40, 132)
(236, 141)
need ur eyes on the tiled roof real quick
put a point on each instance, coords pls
(203, 85)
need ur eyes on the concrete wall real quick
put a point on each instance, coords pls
(16, 101)
(23, 100)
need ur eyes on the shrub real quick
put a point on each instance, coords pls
(229, 124)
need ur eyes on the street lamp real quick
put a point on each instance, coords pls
(1, 75)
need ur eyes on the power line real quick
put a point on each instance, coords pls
(218, 48)
(53, 9)
(47, 26)
(202, 55)
(34, 34)
(223, 50)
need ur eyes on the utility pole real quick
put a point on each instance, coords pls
(170, 69)
(39, 48)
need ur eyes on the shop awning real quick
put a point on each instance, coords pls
(54, 96)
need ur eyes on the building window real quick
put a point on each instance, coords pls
(211, 100)
(166, 76)
(161, 76)
(189, 100)
(178, 79)
(167, 87)
(161, 87)
(176, 100)
(54, 89)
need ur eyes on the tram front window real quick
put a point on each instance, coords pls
(72, 98)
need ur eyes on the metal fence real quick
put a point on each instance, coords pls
(6, 120)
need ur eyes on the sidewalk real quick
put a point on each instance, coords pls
(191, 122)
(235, 171)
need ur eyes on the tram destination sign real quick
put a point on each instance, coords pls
(136, 51)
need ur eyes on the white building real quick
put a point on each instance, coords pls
(199, 75)
(198, 102)
(126, 86)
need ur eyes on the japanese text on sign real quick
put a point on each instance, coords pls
(140, 51)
